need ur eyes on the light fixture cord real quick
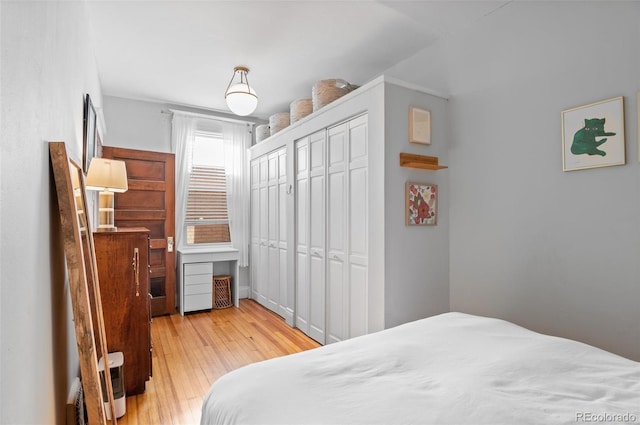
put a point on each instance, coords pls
(230, 82)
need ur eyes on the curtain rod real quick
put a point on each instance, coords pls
(209, 117)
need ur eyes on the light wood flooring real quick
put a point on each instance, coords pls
(190, 352)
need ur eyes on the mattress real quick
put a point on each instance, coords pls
(452, 368)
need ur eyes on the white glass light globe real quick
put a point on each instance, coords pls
(239, 101)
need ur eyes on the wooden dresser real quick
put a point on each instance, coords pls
(123, 272)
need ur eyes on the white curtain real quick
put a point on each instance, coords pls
(237, 140)
(182, 136)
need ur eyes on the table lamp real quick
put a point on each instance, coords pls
(108, 176)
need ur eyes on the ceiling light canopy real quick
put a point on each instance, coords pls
(241, 98)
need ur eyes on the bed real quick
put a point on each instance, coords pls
(453, 368)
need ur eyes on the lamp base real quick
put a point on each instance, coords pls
(106, 212)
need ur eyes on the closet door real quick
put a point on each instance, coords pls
(337, 284)
(255, 227)
(273, 260)
(286, 306)
(302, 234)
(357, 225)
(263, 251)
(317, 162)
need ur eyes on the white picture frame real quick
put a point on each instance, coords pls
(419, 125)
(593, 135)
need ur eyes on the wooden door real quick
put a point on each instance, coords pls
(150, 203)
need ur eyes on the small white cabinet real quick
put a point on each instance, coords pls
(197, 287)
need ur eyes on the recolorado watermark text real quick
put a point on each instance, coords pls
(606, 418)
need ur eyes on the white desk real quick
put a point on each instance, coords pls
(196, 268)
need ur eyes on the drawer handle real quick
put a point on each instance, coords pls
(136, 269)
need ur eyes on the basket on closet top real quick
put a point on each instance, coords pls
(222, 291)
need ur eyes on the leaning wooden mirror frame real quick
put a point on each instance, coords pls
(84, 286)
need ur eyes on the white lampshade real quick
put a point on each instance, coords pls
(107, 175)
(241, 98)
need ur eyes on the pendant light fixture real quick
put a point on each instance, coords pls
(241, 98)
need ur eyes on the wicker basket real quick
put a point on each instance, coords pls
(222, 291)
(262, 132)
(326, 91)
(300, 108)
(279, 121)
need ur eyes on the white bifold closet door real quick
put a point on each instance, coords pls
(268, 232)
(347, 234)
(331, 232)
(310, 200)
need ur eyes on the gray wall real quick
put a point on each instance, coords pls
(551, 250)
(417, 257)
(135, 124)
(47, 67)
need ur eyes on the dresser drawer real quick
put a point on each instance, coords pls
(198, 268)
(198, 302)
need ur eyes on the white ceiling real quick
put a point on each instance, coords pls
(183, 52)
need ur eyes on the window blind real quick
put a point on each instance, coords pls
(206, 217)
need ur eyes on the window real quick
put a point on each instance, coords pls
(206, 220)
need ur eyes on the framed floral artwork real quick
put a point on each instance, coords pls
(421, 204)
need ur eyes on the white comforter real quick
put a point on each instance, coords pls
(449, 369)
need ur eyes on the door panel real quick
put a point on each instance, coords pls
(150, 203)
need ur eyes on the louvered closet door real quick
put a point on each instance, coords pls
(357, 226)
(317, 212)
(302, 234)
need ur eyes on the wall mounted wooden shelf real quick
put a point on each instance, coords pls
(420, 161)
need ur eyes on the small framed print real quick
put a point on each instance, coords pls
(419, 126)
(593, 135)
(421, 204)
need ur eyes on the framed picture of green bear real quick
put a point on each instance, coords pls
(593, 135)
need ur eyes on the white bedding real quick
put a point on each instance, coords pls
(449, 369)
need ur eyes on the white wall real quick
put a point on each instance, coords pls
(47, 67)
(551, 250)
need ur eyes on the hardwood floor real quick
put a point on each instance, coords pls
(191, 352)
